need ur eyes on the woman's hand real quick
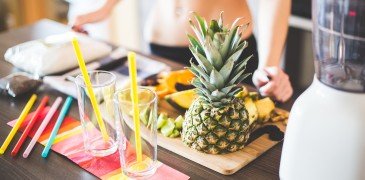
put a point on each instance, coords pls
(273, 82)
(93, 17)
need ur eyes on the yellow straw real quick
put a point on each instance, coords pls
(134, 95)
(19, 122)
(89, 88)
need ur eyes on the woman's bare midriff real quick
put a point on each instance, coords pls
(168, 22)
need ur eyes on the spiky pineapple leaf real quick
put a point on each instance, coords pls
(218, 94)
(225, 46)
(220, 21)
(241, 65)
(227, 89)
(199, 70)
(197, 32)
(207, 84)
(202, 24)
(212, 54)
(227, 69)
(238, 51)
(235, 78)
(243, 77)
(203, 62)
(194, 43)
(214, 26)
(216, 79)
(235, 92)
(235, 22)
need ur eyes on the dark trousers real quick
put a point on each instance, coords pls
(183, 55)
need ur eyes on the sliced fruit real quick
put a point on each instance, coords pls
(178, 122)
(181, 100)
(175, 133)
(252, 110)
(254, 96)
(242, 93)
(183, 87)
(144, 116)
(161, 90)
(168, 128)
(183, 77)
(161, 120)
(264, 107)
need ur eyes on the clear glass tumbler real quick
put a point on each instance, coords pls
(147, 104)
(103, 85)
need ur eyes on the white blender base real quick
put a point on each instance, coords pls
(325, 136)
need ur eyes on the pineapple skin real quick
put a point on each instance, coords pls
(215, 130)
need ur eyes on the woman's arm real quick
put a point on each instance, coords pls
(95, 16)
(272, 23)
(272, 26)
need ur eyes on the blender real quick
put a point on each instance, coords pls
(325, 137)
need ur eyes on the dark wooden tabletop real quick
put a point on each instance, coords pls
(59, 167)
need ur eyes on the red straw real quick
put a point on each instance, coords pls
(30, 125)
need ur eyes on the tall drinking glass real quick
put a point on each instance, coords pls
(103, 85)
(147, 104)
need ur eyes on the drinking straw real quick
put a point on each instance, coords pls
(134, 95)
(89, 88)
(64, 110)
(45, 122)
(30, 124)
(20, 120)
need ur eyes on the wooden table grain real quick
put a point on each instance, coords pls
(59, 167)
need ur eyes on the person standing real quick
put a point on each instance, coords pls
(168, 23)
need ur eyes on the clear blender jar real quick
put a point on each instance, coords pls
(339, 43)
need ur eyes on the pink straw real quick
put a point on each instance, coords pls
(39, 132)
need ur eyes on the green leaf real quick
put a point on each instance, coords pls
(200, 86)
(237, 53)
(234, 79)
(199, 70)
(220, 21)
(243, 77)
(207, 84)
(218, 94)
(227, 89)
(197, 32)
(234, 92)
(227, 42)
(212, 54)
(241, 65)
(202, 24)
(235, 22)
(194, 43)
(236, 39)
(226, 70)
(217, 104)
(216, 79)
(203, 62)
(214, 26)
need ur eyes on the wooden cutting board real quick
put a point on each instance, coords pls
(225, 164)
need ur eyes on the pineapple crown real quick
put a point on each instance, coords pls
(217, 50)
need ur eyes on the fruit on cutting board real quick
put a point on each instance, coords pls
(161, 120)
(264, 107)
(181, 100)
(178, 122)
(251, 109)
(217, 122)
(169, 127)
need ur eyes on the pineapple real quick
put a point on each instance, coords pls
(217, 122)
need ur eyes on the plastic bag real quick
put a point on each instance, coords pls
(54, 54)
(18, 83)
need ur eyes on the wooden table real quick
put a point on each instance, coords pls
(57, 166)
